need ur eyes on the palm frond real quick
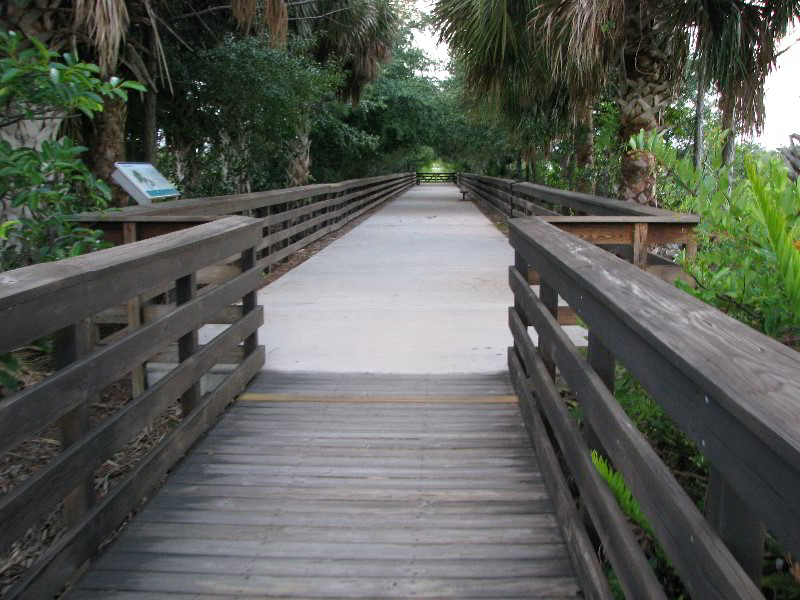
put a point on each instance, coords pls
(107, 23)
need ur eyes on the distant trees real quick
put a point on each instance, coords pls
(536, 56)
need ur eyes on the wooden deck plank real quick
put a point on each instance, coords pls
(316, 587)
(347, 500)
(487, 569)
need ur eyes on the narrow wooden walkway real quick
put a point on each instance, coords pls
(411, 480)
(369, 499)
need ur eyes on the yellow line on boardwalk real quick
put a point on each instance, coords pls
(254, 397)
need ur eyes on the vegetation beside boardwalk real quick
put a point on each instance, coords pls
(229, 98)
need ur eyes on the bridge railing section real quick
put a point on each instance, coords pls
(203, 336)
(734, 392)
(423, 177)
(625, 228)
(291, 219)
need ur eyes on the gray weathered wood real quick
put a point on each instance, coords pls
(364, 520)
(705, 564)
(43, 298)
(48, 574)
(593, 579)
(40, 493)
(26, 412)
(732, 390)
(630, 565)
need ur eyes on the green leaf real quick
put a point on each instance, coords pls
(134, 85)
(8, 382)
(9, 74)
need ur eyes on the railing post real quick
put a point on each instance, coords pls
(604, 364)
(134, 317)
(549, 297)
(640, 245)
(736, 524)
(71, 344)
(522, 266)
(185, 290)
(250, 300)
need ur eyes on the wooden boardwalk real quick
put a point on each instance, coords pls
(358, 497)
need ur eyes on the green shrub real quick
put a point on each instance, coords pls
(43, 181)
(748, 260)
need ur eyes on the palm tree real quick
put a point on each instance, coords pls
(102, 31)
(639, 47)
(504, 74)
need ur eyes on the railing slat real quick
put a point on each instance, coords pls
(705, 564)
(37, 300)
(26, 412)
(48, 575)
(593, 580)
(40, 493)
(732, 390)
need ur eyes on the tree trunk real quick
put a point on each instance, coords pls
(730, 139)
(645, 90)
(150, 106)
(299, 170)
(584, 151)
(699, 106)
(108, 145)
(519, 166)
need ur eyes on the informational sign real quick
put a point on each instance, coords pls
(143, 182)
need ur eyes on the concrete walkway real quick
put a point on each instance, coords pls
(421, 287)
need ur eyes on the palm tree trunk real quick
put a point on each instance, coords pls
(730, 139)
(108, 145)
(584, 151)
(699, 106)
(645, 90)
(150, 106)
(519, 166)
(299, 170)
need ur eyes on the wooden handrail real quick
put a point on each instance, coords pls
(618, 226)
(523, 199)
(238, 203)
(730, 389)
(292, 218)
(60, 299)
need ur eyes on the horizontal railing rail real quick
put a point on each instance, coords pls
(59, 300)
(436, 177)
(519, 199)
(624, 228)
(292, 217)
(733, 391)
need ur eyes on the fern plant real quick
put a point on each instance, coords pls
(775, 197)
(622, 493)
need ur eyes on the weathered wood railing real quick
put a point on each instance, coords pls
(626, 228)
(292, 218)
(436, 177)
(59, 299)
(734, 392)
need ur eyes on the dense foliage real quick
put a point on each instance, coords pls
(42, 184)
(748, 263)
